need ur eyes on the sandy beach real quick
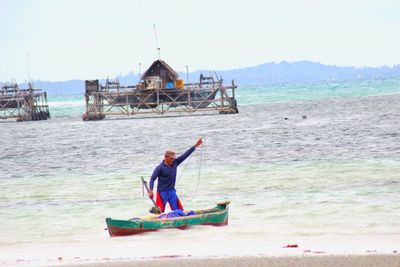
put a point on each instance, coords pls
(289, 261)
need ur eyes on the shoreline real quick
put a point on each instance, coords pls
(314, 259)
(221, 251)
(387, 260)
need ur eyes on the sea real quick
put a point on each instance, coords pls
(309, 169)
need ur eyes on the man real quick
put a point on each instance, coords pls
(166, 174)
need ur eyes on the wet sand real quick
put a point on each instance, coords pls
(386, 260)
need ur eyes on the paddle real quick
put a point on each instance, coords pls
(155, 209)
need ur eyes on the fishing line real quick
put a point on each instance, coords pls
(199, 172)
(198, 177)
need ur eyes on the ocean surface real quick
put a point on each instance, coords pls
(316, 165)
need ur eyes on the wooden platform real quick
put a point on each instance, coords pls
(23, 104)
(113, 99)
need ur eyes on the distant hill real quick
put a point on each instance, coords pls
(267, 74)
(305, 71)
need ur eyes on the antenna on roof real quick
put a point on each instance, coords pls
(27, 60)
(157, 47)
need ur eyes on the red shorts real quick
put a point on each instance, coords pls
(169, 197)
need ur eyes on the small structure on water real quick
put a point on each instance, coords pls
(23, 104)
(159, 91)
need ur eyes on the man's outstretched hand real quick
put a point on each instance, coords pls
(199, 142)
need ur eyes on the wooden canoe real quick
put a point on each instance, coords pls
(217, 216)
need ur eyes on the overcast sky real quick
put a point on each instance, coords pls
(85, 39)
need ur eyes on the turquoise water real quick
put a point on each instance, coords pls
(62, 105)
(313, 91)
(66, 106)
(331, 176)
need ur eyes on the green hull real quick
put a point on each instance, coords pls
(217, 216)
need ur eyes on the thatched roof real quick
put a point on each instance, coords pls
(158, 64)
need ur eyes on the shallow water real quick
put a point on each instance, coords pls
(334, 173)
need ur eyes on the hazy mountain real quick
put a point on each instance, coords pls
(305, 71)
(268, 73)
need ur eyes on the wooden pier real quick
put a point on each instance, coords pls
(159, 92)
(23, 104)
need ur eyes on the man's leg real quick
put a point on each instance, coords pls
(160, 202)
(174, 201)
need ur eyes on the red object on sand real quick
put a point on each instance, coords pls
(291, 246)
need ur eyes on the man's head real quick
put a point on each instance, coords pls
(169, 157)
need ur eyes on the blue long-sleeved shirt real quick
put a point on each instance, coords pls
(167, 174)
